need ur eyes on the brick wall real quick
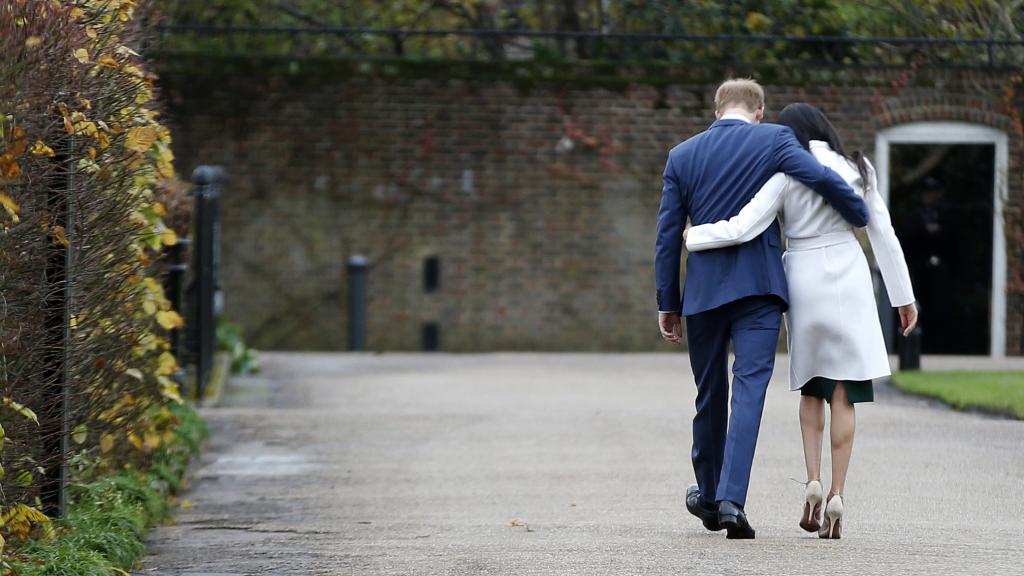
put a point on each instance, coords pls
(537, 187)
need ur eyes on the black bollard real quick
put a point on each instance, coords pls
(207, 182)
(358, 267)
(910, 351)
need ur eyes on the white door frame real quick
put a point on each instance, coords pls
(962, 133)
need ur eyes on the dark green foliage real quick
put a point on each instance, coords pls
(738, 18)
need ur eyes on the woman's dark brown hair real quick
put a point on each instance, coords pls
(810, 123)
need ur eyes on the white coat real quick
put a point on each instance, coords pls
(832, 321)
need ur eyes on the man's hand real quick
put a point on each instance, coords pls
(908, 318)
(671, 326)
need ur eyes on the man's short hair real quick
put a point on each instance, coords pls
(739, 92)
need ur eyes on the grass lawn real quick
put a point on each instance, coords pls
(1001, 392)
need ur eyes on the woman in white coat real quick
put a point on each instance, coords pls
(835, 339)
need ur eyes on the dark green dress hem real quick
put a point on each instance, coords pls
(857, 391)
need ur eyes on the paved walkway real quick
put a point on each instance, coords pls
(424, 464)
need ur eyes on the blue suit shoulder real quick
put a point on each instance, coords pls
(771, 129)
(686, 146)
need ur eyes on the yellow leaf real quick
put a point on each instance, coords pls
(159, 209)
(140, 138)
(169, 237)
(169, 389)
(757, 22)
(80, 434)
(185, 504)
(134, 373)
(169, 319)
(82, 55)
(18, 520)
(135, 440)
(33, 41)
(106, 443)
(10, 206)
(108, 62)
(152, 440)
(19, 408)
(3, 436)
(149, 307)
(41, 149)
(168, 364)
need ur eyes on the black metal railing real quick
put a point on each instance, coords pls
(500, 45)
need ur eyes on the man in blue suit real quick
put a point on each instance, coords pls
(735, 294)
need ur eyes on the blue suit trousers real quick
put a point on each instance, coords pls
(723, 444)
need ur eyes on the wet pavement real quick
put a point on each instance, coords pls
(566, 464)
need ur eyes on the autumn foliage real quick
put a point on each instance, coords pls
(85, 365)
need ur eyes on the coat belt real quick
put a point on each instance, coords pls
(830, 239)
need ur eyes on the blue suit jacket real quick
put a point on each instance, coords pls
(709, 178)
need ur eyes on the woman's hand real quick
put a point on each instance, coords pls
(908, 318)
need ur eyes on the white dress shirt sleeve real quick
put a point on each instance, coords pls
(886, 246)
(753, 219)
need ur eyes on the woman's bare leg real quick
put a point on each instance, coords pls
(844, 423)
(812, 425)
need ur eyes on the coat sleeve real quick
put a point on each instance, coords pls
(886, 246)
(669, 245)
(752, 220)
(792, 159)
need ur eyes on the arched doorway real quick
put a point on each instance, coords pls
(945, 183)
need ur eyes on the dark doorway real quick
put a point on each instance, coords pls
(941, 199)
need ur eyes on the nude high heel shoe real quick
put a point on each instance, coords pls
(832, 527)
(810, 520)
